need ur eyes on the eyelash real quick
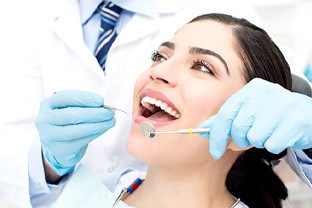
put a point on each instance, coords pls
(202, 63)
(156, 56)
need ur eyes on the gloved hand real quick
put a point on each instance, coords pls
(67, 122)
(264, 115)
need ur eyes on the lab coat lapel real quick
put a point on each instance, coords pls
(67, 27)
(139, 27)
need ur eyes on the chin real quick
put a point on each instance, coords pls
(149, 151)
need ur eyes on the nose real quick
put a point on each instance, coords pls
(164, 73)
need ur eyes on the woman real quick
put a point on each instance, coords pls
(192, 75)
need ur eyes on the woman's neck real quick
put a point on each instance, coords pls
(196, 186)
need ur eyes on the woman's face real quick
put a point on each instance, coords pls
(191, 76)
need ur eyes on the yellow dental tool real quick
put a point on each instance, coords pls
(149, 130)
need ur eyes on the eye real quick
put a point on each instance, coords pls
(156, 56)
(201, 65)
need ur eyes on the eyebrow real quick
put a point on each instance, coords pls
(169, 45)
(197, 50)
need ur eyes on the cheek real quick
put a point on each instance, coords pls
(141, 82)
(206, 101)
(206, 105)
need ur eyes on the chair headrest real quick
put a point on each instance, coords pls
(301, 86)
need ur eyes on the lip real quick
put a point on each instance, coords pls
(159, 96)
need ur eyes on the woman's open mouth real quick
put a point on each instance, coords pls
(156, 108)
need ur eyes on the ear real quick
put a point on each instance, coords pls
(232, 146)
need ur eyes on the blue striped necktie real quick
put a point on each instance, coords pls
(109, 15)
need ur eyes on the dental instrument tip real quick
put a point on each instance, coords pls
(113, 108)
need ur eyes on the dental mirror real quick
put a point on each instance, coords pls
(147, 129)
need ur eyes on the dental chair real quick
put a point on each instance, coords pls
(301, 86)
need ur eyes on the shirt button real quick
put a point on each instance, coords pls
(110, 169)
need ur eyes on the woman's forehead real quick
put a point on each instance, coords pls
(205, 33)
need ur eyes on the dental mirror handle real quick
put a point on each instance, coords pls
(185, 131)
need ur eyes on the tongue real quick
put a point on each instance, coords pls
(161, 116)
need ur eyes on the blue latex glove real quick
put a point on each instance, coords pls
(67, 122)
(264, 115)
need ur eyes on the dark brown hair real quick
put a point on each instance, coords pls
(251, 178)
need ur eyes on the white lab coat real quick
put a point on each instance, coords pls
(60, 60)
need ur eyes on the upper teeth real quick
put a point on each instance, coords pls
(150, 104)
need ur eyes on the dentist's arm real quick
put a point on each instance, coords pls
(67, 122)
(264, 115)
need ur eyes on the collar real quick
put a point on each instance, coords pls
(87, 7)
(138, 6)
